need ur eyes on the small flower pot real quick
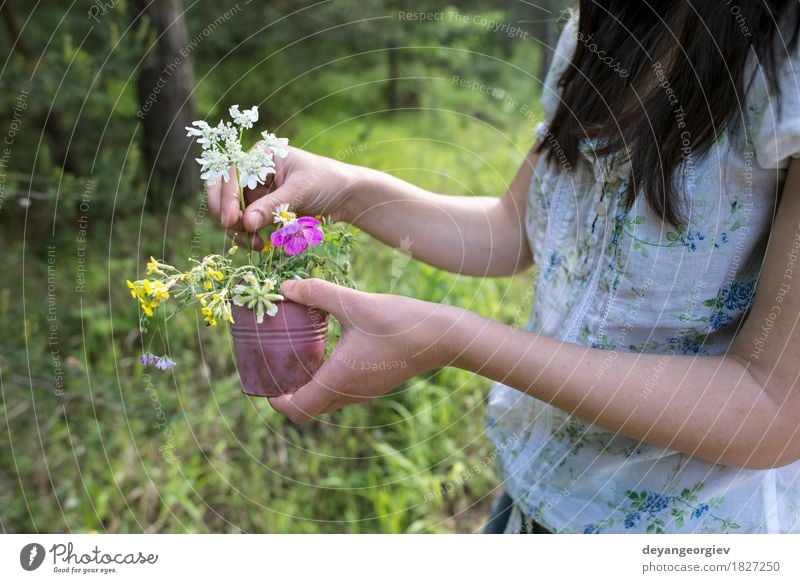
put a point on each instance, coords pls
(281, 354)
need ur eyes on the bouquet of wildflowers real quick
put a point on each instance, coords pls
(296, 247)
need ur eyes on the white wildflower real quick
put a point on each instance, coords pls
(214, 164)
(283, 215)
(278, 145)
(257, 297)
(229, 138)
(222, 147)
(244, 119)
(207, 136)
(254, 166)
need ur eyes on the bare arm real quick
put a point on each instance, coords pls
(481, 235)
(472, 235)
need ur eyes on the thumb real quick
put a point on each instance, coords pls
(309, 400)
(321, 294)
(258, 213)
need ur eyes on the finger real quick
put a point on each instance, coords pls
(309, 400)
(230, 211)
(259, 212)
(322, 294)
(213, 190)
(337, 404)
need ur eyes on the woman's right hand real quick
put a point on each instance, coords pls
(308, 183)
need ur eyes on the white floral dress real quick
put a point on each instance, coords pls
(622, 280)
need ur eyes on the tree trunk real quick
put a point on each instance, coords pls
(51, 121)
(165, 85)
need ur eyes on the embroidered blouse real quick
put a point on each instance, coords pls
(623, 280)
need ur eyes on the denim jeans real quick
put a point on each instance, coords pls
(502, 512)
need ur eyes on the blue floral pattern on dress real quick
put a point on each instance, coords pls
(731, 302)
(699, 511)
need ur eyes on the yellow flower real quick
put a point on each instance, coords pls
(150, 294)
(209, 315)
(152, 266)
(160, 292)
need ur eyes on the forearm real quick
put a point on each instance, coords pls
(478, 235)
(707, 407)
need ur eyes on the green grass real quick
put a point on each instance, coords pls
(90, 459)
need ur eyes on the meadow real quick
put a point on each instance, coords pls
(94, 443)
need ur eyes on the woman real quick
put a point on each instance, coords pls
(654, 387)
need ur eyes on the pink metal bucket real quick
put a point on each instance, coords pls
(281, 354)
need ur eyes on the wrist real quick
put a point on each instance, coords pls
(471, 342)
(355, 183)
(445, 335)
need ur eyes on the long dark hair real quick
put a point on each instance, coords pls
(695, 49)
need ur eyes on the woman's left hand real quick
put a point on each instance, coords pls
(385, 341)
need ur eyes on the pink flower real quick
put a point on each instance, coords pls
(297, 235)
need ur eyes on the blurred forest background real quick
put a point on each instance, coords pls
(96, 175)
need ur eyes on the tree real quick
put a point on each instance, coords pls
(165, 85)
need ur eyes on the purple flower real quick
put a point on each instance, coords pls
(296, 236)
(165, 363)
(160, 362)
